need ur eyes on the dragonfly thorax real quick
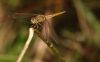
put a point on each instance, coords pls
(38, 19)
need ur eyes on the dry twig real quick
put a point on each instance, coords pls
(31, 33)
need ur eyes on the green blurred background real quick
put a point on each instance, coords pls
(78, 30)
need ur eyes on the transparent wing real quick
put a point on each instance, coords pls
(22, 15)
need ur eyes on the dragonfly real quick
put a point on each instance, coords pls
(35, 19)
(38, 22)
(40, 25)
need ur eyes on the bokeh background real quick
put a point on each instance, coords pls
(77, 31)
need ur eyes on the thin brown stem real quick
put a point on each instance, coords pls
(31, 33)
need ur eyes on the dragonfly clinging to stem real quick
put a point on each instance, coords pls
(41, 18)
(36, 22)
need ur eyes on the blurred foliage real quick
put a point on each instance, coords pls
(80, 28)
(14, 2)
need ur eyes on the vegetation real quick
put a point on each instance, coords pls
(69, 37)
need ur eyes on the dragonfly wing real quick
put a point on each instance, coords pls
(23, 15)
